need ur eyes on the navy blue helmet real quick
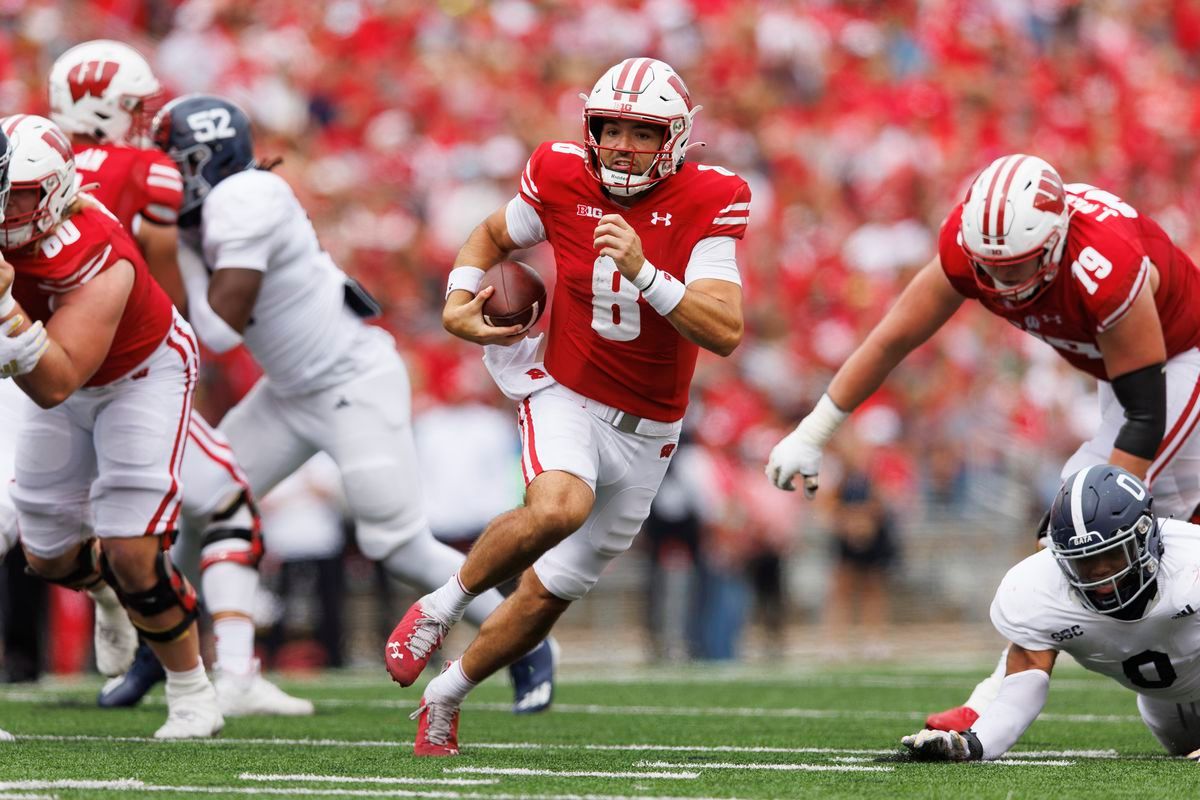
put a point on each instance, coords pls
(209, 139)
(1105, 538)
(5, 174)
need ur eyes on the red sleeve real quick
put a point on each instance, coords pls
(732, 217)
(162, 189)
(1110, 272)
(952, 258)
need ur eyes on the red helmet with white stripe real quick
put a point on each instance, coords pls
(646, 90)
(106, 90)
(1014, 227)
(41, 161)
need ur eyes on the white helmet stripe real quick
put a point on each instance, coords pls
(1077, 502)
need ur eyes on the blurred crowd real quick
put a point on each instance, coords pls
(858, 125)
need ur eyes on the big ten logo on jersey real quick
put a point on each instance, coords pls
(584, 210)
(90, 160)
(65, 234)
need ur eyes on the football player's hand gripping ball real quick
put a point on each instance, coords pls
(465, 320)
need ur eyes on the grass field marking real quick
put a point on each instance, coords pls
(23, 796)
(632, 747)
(1022, 762)
(767, 767)
(556, 773)
(296, 791)
(402, 780)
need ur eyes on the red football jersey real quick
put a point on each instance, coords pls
(79, 249)
(132, 182)
(1105, 263)
(605, 341)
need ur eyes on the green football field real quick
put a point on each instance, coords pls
(616, 734)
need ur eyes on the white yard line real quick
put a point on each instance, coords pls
(130, 785)
(1023, 762)
(254, 776)
(555, 773)
(625, 748)
(769, 767)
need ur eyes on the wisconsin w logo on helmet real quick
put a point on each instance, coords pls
(91, 78)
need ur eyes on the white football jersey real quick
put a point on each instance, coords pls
(1157, 656)
(301, 332)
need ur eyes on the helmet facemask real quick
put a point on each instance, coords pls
(1017, 294)
(1111, 574)
(627, 182)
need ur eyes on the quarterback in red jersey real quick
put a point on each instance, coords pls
(101, 456)
(104, 94)
(1082, 270)
(645, 251)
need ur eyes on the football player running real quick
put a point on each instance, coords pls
(1116, 588)
(104, 95)
(15, 350)
(644, 248)
(255, 273)
(97, 487)
(1080, 269)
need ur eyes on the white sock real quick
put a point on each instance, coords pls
(449, 602)
(453, 685)
(105, 597)
(186, 682)
(235, 644)
(989, 687)
(229, 586)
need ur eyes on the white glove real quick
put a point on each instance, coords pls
(929, 745)
(800, 451)
(20, 354)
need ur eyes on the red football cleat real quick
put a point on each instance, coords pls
(411, 644)
(952, 719)
(437, 729)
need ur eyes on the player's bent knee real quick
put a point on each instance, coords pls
(169, 590)
(233, 534)
(82, 572)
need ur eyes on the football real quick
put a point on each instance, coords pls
(520, 296)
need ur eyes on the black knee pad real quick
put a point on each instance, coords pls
(87, 572)
(239, 520)
(170, 590)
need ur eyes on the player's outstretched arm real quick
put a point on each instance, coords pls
(1022, 697)
(80, 334)
(921, 310)
(159, 244)
(1135, 355)
(489, 244)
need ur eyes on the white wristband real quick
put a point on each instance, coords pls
(645, 276)
(823, 421)
(663, 292)
(464, 278)
(7, 303)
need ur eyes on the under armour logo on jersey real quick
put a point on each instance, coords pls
(666, 451)
(395, 648)
(536, 374)
(656, 218)
(341, 403)
(1186, 611)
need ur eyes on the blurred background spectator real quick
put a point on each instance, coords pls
(858, 125)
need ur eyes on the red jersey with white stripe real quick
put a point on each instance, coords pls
(1106, 262)
(605, 341)
(77, 250)
(132, 182)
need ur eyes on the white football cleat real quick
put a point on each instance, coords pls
(192, 716)
(5, 736)
(254, 695)
(115, 638)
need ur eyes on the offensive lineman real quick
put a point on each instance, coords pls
(601, 416)
(104, 95)
(97, 487)
(1080, 269)
(332, 383)
(1116, 588)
